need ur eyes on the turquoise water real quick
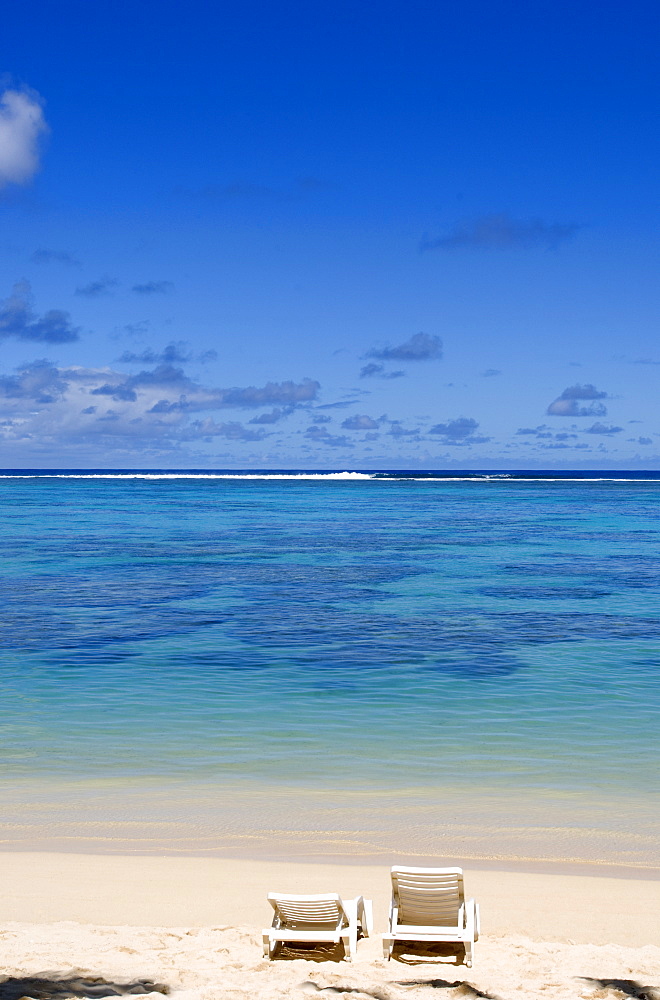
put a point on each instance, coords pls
(247, 642)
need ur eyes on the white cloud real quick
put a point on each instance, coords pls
(76, 409)
(21, 125)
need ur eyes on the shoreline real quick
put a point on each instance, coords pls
(554, 832)
(521, 865)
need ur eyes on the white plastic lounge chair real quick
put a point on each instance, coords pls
(324, 919)
(428, 906)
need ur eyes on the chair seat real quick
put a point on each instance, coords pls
(309, 935)
(428, 930)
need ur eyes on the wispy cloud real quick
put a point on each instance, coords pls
(460, 431)
(420, 347)
(42, 256)
(232, 430)
(18, 319)
(360, 422)
(501, 232)
(134, 330)
(491, 373)
(397, 430)
(272, 394)
(120, 393)
(542, 431)
(153, 288)
(568, 404)
(599, 428)
(372, 370)
(341, 404)
(562, 446)
(176, 352)
(271, 416)
(321, 435)
(22, 125)
(95, 289)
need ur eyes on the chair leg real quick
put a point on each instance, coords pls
(388, 945)
(347, 941)
(266, 943)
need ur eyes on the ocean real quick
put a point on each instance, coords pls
(344, 665)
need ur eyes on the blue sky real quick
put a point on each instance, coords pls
(329, 235)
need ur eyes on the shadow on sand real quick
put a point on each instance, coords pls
(628, 987)
(314, 951)
(329, 990)
(55, 986)
(467, 989)
(437, 953)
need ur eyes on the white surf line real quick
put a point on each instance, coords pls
(507, 478)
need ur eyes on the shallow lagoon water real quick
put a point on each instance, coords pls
(465, 665)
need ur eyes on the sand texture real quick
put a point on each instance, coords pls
(224, 963)
(87, 926)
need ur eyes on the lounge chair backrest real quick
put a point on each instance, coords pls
(296, 911)
(429, 896)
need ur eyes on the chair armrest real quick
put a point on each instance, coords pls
(365, 915)
(471, 929)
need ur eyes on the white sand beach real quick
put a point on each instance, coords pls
(99, 925)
